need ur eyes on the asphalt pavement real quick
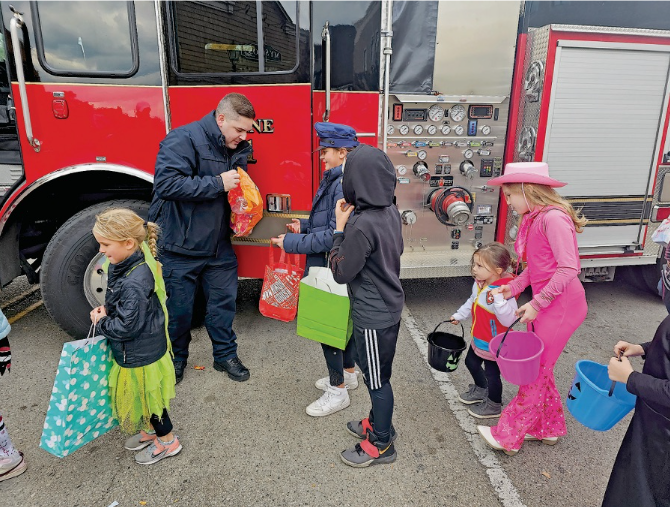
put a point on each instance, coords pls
(252, 443)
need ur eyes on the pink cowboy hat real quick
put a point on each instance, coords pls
(526, 172)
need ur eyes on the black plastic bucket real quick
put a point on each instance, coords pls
(445, 349)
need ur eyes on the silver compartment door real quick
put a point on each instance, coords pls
(606, 111)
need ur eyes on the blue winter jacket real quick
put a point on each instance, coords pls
(4, 326)
(189, 202)
(316, 232)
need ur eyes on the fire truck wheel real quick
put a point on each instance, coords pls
(71, 279)
(643, 277)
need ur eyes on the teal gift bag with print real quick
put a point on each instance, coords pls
(80, 408)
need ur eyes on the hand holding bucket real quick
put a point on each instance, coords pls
(518, 358)
(445, 349)
(589, 401)
(614, 381)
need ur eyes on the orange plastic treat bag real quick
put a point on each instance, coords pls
(246, 205)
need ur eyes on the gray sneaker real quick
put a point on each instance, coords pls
(157, 451)
(474, 394)
(486, 409)
(140, 441)
(369, 452)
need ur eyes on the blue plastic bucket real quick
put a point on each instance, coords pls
(588, 400)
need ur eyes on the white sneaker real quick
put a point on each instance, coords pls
(11, 466)
(333, 400)
(350, 381)
(485, 432)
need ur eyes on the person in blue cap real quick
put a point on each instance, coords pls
(314, 236)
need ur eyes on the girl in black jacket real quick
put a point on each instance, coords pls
(134, 320)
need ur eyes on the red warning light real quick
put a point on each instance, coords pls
(397, 112)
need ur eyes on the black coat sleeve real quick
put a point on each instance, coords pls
(651, 389)
(129, 315)
(348, 255)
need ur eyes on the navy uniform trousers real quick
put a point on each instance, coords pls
(218, 278)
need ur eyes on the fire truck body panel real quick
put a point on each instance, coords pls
(594, 107)
(441, 83)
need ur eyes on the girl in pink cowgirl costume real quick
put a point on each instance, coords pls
(547, 242)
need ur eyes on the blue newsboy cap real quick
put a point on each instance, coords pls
(335, 135)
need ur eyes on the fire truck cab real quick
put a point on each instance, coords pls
(450, 90)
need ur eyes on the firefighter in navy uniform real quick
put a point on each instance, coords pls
(195, 169)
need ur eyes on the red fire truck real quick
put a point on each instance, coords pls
(450, 90)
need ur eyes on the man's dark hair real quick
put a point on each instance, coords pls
(234, 105)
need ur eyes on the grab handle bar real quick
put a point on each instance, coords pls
(325, 36)
(14, 25)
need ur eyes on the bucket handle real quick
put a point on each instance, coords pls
(449, 321)
(508, 329)
(614, 381)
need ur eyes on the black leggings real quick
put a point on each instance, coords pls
(488, 377)
(337, 360)
(162, 425)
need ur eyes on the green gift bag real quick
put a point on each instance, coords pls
(324, 312)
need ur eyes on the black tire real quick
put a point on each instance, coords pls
(66, 258)
(644, 277)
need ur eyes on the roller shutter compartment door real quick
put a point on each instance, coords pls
(603, 127)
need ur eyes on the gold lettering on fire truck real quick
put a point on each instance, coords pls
(263, 126)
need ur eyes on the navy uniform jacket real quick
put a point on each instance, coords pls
(316, 233)
(189, 202)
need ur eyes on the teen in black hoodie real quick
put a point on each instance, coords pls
(366, 256)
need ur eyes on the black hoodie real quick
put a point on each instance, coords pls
(367, 256)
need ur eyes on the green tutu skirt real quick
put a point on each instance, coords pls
(138, 393)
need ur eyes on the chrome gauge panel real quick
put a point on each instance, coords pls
(444, 154)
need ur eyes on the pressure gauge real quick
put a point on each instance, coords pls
(468, 153)
(418, 130)
(390, 130)
(457, 112)
(432, 129)
(458, 130)
(402, 170)
(422, 154)
(486, 130)
(403, 129)
(408, 217)
(446, 130)
(435, 113)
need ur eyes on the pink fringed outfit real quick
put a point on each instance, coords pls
(548, 242)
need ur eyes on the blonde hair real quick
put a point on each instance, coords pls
(494, 255)
(544, 195)
(121, 224)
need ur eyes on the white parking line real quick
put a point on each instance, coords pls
(507, 493)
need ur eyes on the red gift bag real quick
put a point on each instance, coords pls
(279, 296)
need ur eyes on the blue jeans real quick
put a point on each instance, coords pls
(218, 278)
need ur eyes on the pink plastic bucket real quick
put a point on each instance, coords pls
(518, 355)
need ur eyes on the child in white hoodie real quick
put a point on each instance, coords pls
(491, 314)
